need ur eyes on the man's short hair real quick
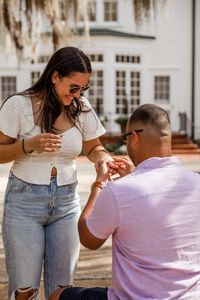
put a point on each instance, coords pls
(151, 114)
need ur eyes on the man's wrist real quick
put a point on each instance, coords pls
(97, 185)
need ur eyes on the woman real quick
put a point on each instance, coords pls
(43, 130)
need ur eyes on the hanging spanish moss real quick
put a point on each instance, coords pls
(143, 8)
(24, 20)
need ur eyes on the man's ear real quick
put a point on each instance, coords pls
(54, 77)
(134, 139)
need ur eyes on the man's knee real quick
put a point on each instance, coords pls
(80, 293)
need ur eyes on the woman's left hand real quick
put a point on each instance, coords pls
(102, 171)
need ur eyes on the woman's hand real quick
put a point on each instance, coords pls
(102, 171)
(44, 142)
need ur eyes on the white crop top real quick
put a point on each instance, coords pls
(16, 121)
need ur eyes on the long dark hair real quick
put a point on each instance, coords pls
(65, 61)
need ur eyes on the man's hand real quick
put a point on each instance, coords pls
(124, 165)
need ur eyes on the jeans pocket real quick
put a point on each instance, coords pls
(16, 185)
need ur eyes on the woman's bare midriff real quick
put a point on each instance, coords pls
(53, 171)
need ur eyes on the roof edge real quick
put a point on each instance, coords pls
(111, 32)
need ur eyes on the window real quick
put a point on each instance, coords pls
(127, 91)
(121, 98)
(162, 88)
(135, 90)
(132, 59)
(91, 10)
(35, 76)
(110, 11)
(95, 93)
(43, 58)
(96, 57)
(8, 86)
(62, 8)
(128, 83)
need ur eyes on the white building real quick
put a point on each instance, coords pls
(156, 63)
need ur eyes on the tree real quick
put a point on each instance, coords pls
(22, 22)
(142, 8)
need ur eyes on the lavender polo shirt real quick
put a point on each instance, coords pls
(153, 215)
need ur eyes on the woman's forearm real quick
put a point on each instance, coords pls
(99, 154)
(10, 152)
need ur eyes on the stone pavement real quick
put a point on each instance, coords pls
(94, 267)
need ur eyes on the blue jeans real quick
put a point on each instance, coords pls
(40, 226)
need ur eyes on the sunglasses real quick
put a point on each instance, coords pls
(124, 136)
(75, 89)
